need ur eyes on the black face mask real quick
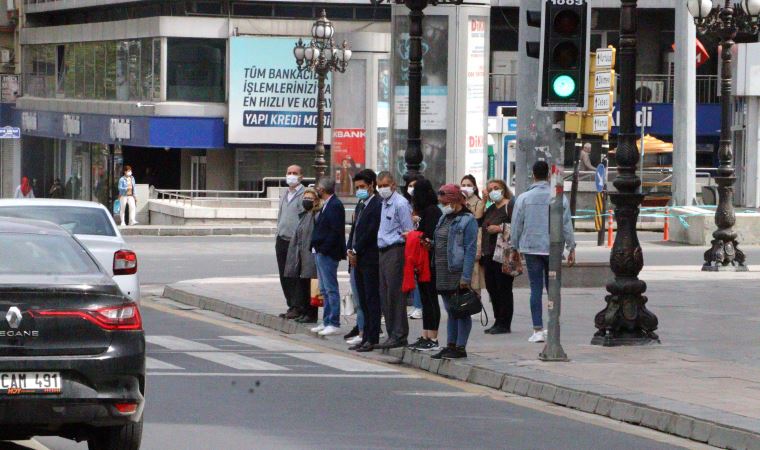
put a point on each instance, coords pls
(307, 204)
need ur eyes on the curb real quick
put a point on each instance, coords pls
(658, 414)
(197, 231)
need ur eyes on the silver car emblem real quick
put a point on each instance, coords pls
(13, 317)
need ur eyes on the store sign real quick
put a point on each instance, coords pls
(29, 121)
(271, 100)
(121, 129)
(71, 125)
(10, 133)
(348, 156)
(476, 100)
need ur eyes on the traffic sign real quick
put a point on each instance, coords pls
(604, 58)
(601, 177)
(603, 81)
(10, 133)
(602, 102)
(601, 123)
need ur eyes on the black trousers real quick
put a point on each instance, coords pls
(302, 297)
(499, 287)
(368, 285)
(431, 310)
(288, 284)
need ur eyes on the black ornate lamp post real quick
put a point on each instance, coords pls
(626, 320)
(725, 21)
(321, 56)
(413, 153)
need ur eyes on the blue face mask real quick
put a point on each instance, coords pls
(362, 194)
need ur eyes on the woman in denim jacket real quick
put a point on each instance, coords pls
(455, 247)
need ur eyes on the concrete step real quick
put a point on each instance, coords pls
(198, 230)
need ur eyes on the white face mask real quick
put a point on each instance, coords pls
(385, 192)
(410, 191)
(447, 209)
(129, 174)
(468, 191)
(292, 180)
(496, 195)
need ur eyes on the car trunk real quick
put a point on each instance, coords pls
(102, 248)
(36, 335)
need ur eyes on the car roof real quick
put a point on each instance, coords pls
(26, 226)
(49, 202)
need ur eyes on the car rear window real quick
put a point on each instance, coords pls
(75, 220)
(43, 254)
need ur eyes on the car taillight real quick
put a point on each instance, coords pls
(124, 262)
(126, 408)
(124, 317)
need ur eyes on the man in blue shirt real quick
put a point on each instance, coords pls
(395, 220)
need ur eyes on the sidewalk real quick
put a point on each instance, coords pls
(702, 383)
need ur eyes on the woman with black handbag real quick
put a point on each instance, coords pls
(455, 248)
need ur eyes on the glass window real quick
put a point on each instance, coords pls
(88, 55)
(109, 80)
(122, 70)
(135, 87)
(156, 75)
(26, 254)
(99, 70)
(196, 70)
(146, 68)
(75, 220)
(68, 71)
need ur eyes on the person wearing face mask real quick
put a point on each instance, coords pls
(395, 221)
(476, 206)
(496, 221)
(127, 196)
(328, 241)
(300, 265)
(364, 257)
(291, 208)
(455, 247)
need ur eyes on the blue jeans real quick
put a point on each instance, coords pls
(327, 271)
(538, 275)
(416, 300)
(357, 301)
(457, 330)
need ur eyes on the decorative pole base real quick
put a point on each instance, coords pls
(724, 256)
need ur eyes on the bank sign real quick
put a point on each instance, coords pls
(271, 101)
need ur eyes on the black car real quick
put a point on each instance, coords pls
(72, 346)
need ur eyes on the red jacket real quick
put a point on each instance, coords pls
(417, 261)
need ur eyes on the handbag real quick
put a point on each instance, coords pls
(502, 244)
(464, 303)
(116, 206)
(512, 264)
(316, 299)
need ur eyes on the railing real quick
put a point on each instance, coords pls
(654, 180)
(194, 195)
(649, 88)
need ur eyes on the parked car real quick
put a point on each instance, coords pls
(72, 346)
(93, 225)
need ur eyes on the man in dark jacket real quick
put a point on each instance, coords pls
(365, 257)
(328, 241)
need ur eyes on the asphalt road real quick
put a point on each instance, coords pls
(216, 383)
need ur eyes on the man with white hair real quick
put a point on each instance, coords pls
(289, 214)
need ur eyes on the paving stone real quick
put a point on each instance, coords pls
(522, 387)
(435, 365)
(459, 372)
(617, 411)
(407, 356)
(589, 402)
(562, 396)
(576, 399)
(486, 377)
(724, 437)
(548, 392)
(534, 391)
(443, 368)
(425, 362)
(509, 384)
(701, 431)
(604, 407)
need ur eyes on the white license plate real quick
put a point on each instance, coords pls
(18, 383)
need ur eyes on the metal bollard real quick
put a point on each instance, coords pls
(553, 349)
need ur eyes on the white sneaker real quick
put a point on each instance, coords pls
(354, 340)
(330, 331)
(538, 336)
(416, 314)
(318, 328)
(135, 223)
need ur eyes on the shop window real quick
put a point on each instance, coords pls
(196, 70)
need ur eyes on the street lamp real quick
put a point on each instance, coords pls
(725, 21)
(626, 320)
(413, 154)
(321, 56)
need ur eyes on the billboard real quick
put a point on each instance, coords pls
(270, 100)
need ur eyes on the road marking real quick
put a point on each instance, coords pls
(179, 344)
(269, 344)
(154, 364)
(236, 361)
(281, 375)
(341, 362)
(441, 394)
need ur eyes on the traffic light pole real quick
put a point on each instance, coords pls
(626, 320)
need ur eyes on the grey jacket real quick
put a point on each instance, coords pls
(530, 221)
(288, 216)
(301, 262)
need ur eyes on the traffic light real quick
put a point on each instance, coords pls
(563, 63)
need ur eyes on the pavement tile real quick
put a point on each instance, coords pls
(589, 403)
(576, 399)
(701, 431)
(604, 406)
(509, 384)
(522, 386)
(486, 377)
(548, 392)
(435, 365)
(562, 396)
(534, 390)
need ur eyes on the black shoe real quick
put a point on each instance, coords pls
(366, 347)
(419, 344)
(429, 345)
(458, 352)
(500, 329)
(392, 343)
(306, 319)
(293, 314)
(489, 330)
(356, 347)
(353, 333)
(444, 353)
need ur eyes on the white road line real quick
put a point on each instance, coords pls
(236, 361)
(154, 364)
(269, 344)
(280, 375)
(341, 362)
(179, 344)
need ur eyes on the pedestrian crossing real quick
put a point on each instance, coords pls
(250, 353)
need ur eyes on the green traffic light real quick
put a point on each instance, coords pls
(563, 86)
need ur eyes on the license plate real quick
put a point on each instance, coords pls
(18, 383)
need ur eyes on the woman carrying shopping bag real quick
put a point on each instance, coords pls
(300, 263)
